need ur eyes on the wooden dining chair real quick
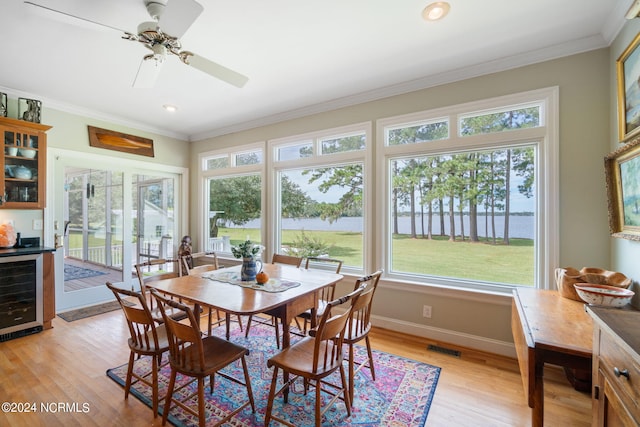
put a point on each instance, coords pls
(359, 326)
(197, 264)
(326, 294)
(286, 259)
(146, 339)
(192, 355)
(313, 358)
(151, 271)
(276, 259)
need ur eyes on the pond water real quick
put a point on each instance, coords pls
(520, 226)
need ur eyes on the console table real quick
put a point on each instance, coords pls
(548, 328)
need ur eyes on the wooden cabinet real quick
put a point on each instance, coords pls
(23, 161)
(616, 367)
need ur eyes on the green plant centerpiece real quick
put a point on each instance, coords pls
(247, 251)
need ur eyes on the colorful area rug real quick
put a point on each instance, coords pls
(400, 396)
(71, 272)
(94, 310)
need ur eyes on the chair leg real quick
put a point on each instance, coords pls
(167, 400)
(370, 354)
(351, 373)
(202, 420)
(318, 405)
(127, 386)
(247, 382)
(272, 392)
(154, 386)
(345, 392)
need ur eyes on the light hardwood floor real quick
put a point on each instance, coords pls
(67, 364)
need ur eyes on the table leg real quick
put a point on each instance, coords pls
(537, 418)
(227, 321)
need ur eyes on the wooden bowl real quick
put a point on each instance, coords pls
(610, 296)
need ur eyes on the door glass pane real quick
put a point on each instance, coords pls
(154, 211)
(93, 241)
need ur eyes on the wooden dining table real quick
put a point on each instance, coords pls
(549, 328)
(233, 299)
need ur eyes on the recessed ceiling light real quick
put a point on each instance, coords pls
(436, 11)
(170, 108)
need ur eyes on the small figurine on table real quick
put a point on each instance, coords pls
(185, 251)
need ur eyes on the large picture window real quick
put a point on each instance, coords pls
(463, 196)
(471, 215)
(470, 197)
(232, 201)
(319, 202)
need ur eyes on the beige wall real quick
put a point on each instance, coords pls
(587, 127)
(624, 253)
(466, 318)
(69, 131)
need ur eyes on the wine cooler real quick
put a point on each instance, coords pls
(20, 296)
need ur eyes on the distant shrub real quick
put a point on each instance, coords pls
(305, 245)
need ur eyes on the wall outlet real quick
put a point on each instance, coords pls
(37, 224)
(426, 311)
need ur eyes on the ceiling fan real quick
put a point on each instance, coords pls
(171, 19)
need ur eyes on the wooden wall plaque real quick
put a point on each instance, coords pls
(118, 141)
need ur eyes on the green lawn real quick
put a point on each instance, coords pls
(439, 257)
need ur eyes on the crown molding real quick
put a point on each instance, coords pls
(92, 114)
(527, 58)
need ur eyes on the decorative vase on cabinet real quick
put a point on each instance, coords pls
(23, 161)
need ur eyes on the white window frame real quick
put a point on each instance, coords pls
(321, 160)
(229, 172)
(546, 137)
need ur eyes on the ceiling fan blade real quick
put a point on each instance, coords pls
(178, 16)
(148, 73)
(216, 70)
(69, 18)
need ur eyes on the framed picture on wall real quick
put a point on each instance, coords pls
(622, 172)
(628, 70)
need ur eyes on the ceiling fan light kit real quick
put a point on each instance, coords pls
(175, 17)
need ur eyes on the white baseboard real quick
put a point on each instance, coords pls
(475, 342)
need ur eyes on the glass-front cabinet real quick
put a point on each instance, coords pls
(24, 160)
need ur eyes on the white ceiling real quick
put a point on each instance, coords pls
(301, 56)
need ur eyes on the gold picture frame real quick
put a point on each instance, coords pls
(622, 172)
(628, 71)
(118, 141)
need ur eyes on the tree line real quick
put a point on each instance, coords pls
(476, 183)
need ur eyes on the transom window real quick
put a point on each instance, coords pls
(469, 207)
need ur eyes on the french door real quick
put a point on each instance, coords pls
(155, 227)
(109, 216)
